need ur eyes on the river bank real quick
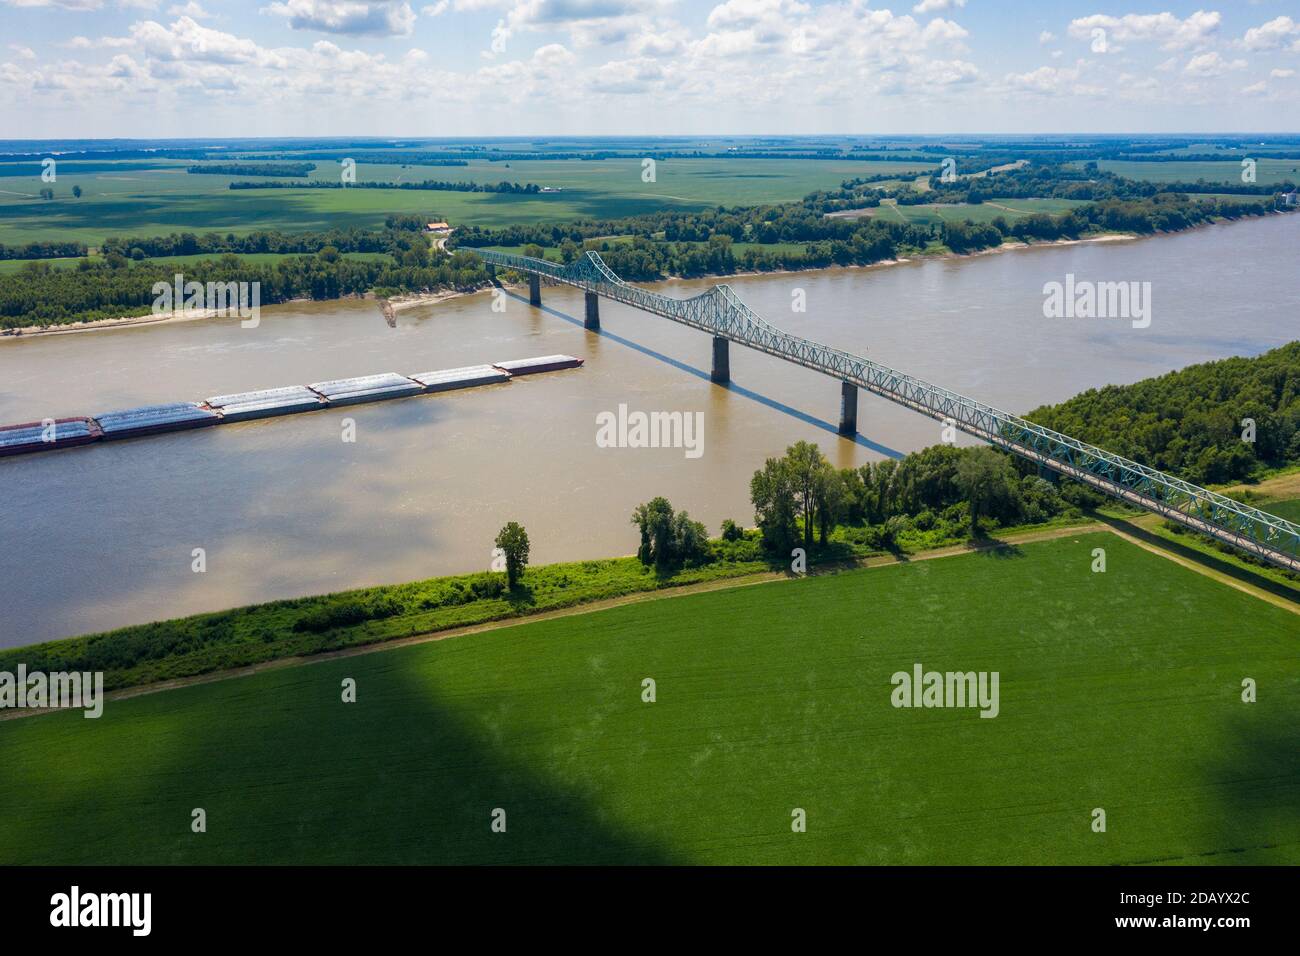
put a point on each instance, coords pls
(413, 300)
(397, 303)
(394, 304)
(428, 482)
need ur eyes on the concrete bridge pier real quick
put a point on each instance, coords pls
(592, 321)
(721, 361)
(534, 289)
(848, 408)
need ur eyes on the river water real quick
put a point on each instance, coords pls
(99, 537)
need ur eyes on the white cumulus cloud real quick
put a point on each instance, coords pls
(348, 17)
(1171, 32)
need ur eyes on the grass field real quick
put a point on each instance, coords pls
(1229, 171)
(737, 248)
(16, 265)
(1290, 510)
(153, 197)
(987, 211)
(1118, 690)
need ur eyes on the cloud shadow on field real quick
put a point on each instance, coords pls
(731, 386)
(1257, 779)
(288, 774)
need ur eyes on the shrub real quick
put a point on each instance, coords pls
(346, 613)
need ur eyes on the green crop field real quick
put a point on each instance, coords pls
(1229, 171)
(155, 197)
(987, 211)
(1290, 510)
(16, 265)
(738, 248)
(1118, 691)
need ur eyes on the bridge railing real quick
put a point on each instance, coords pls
(719, 312)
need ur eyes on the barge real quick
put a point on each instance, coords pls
(547, 363)
(467, 377)
(155, 419)
(51, 433)
(366, 388)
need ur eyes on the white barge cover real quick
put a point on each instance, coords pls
(367, 388)
(155, 418)
(266, 402)
(40, 435)
(467, 377)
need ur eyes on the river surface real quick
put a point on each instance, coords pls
(99, 537)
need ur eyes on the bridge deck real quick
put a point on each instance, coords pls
(719, 312)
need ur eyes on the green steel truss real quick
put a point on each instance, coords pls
(719, 312)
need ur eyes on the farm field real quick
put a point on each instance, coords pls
(987, 211)
(144, 199)
(1118, 690)
(738, 248)
(1229, 171)
(15, 265)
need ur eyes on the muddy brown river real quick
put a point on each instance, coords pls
(102, 536)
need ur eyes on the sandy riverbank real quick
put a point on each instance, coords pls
(398, 303)
(68, 328)
(903, 260)
(409, 301)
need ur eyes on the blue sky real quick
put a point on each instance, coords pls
(155, 68)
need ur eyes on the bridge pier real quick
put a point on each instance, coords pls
(592, 321)
(848, 408)
(721, 361)
(534, 289)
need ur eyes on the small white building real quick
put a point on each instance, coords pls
(1290, 199)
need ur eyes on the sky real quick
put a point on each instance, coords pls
(214, 68)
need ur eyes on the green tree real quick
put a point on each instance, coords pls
(833, 495)
(807, 472)
(987, 478)
(76, 191)
(772, 491)
(655, 520)
(690, 541)
(513, 542)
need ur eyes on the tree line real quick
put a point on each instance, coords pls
(114, 287)
(254, 169)
(263, 241)
(46, 249)
(430, 184)
(943, 491)
(1216, 422)
(703, 243)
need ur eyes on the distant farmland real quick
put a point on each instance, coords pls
(987, 211)
(129, 199)
(1118, 691)
(1266, 170)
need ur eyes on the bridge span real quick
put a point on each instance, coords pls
(722, 315)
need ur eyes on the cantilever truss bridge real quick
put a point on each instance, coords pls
(721, 314)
